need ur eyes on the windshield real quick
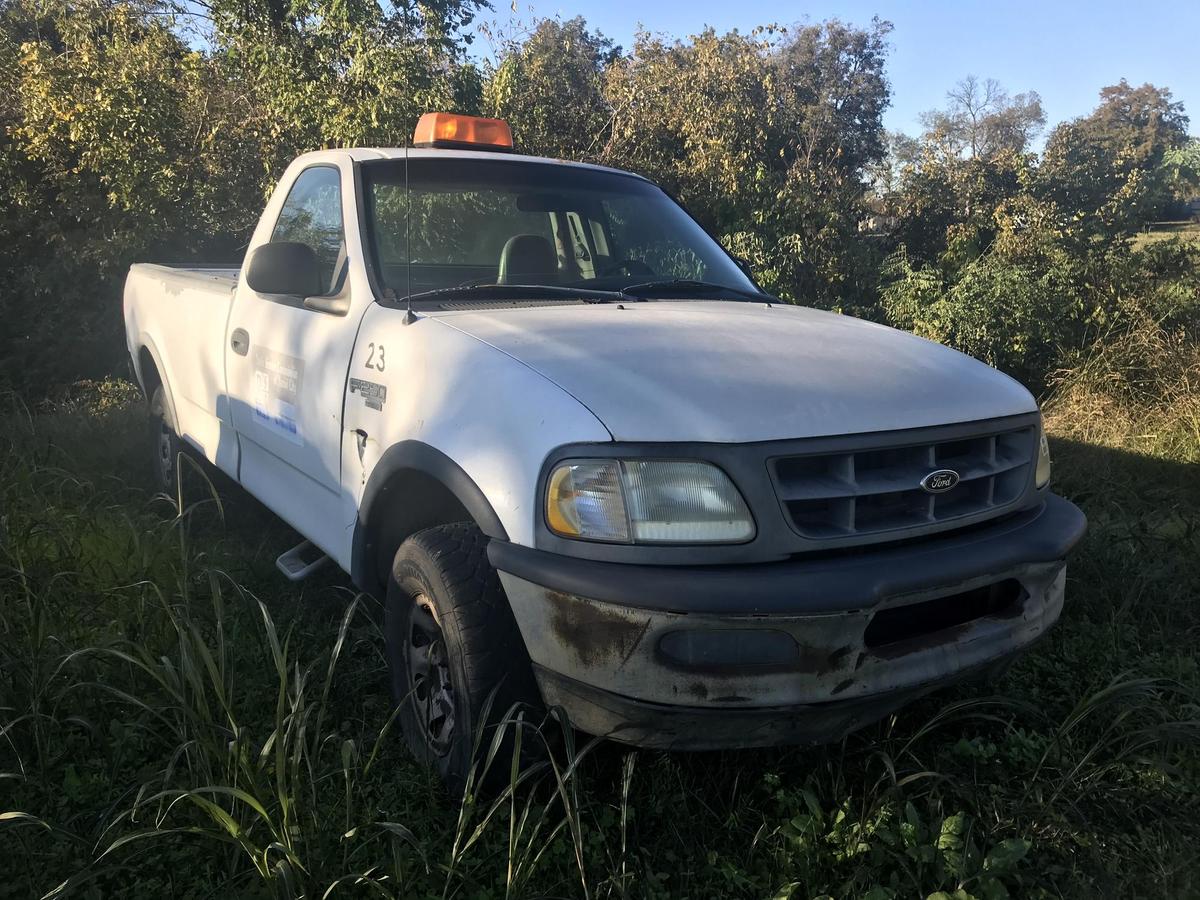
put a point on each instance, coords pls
(468, 222)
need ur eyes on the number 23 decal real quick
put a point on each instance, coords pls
(375, 357)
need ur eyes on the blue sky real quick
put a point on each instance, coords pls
(1064, 51)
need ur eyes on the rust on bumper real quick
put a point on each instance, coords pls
(604, 662)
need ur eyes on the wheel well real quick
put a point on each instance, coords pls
(412, 486)
(151, 379)
(409, 501)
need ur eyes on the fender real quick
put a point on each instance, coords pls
(412, 458)
(146, 343)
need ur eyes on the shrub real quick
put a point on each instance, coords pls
(1032, 314)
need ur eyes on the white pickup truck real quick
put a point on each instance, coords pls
(589, 463)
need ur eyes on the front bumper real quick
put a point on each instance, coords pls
(872, 630)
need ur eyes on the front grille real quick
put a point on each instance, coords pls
(878, 490)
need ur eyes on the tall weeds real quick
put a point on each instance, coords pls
(118, 630)
(175, 720)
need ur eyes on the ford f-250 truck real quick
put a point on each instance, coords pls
(587, 462)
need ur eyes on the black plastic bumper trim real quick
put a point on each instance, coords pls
(1045, 534)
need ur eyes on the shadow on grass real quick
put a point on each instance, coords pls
(1098, 477)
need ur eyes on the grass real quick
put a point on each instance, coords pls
(1185, 230)
(177, 720)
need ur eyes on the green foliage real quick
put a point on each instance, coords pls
(1026, 263)
(1181, 169)
(983, 120)
(122, 142)
(950, 205)
(893, 846)
(119, 142)
(179, 721)
(137, 645)
(105, 144)
(1030, 305)
(766, 137)
(550, 89)
(1106, 168)
(993, 310)
(326, 73)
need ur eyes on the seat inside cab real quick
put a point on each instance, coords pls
(528, 259)
(459, 239)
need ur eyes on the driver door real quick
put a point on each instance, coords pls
(286, 367)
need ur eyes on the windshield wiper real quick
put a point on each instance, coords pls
(516, 291)
(692, 287)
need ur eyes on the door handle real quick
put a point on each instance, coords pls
(240, 341)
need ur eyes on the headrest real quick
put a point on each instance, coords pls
(527, 257)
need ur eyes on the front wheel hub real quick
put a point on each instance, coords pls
(166, 456)
(429, 677)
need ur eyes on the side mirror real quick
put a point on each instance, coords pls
(285, 267)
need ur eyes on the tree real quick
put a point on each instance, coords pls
(902, 152)
(1013, 261)
(947, 206)
(1106, 169)
(329, 73)
(1144, 121)
(946, 187)
(119, 141)
(972, 157)
(767, 137)
(982, 119)
(104, 157)
(550, 89)
(1181, 169)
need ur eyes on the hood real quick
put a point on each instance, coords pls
(738, 372)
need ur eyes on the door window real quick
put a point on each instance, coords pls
(312, 214)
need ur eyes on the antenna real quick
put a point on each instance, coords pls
(409, 318)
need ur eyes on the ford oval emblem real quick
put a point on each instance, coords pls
(939, 481)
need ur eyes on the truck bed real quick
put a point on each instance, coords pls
(179, 314)
(206, 275)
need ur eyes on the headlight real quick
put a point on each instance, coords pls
(1041, 476)
(646, 502)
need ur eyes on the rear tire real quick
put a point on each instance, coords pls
(165, 442)
(451, 642)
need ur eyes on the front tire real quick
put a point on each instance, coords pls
(451, 642)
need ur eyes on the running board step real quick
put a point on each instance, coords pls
(301, 561)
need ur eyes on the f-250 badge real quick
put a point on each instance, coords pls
(374, 395)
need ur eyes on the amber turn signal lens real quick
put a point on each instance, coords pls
(439, 129)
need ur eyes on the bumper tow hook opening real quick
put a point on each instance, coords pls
(901, 624)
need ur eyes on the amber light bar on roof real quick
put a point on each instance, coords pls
(439, 129)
